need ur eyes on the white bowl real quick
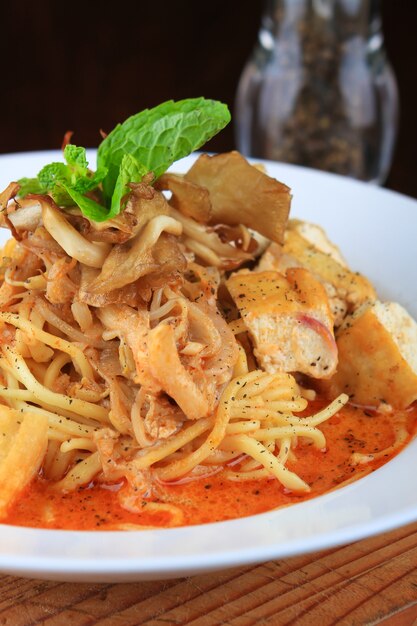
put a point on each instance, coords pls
(377, 231)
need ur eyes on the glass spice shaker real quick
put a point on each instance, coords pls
(319, 90)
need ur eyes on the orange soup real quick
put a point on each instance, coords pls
(352, 431)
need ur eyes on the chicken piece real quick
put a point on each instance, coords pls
(289, 320)
(166, 367)
(346, 290)
(162, 418)
(377, 357)
(133, 328)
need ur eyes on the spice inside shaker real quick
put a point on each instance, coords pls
(318, 90)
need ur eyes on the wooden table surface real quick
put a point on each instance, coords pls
(369, 582)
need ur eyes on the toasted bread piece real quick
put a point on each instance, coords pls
(351, 286)
(377, 356)
(22, 449)
(346, 290)
(289, 320)
(317, 236)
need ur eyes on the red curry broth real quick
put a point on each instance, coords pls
(216, 498)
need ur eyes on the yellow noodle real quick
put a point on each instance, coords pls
(289, 431)
(220, 457)
(183, 466)
(241, 365)
(23, 374)
(74, 417)
(17, 394)
(258, 381)
(78, 443)
(55, 367)
(249, 465)
(13, 283)
(285, 449)
(174, 443)
(328, 411)
(244, 409)
(249, 426)
(247, 445)
(51, 340)
(56, 462)
(65, 328)
(21, 344)
(62, 423)
(81, 474)
(57, 435)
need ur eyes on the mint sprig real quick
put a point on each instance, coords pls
(60, 179)
(149, 141)
(157, 137)
(130, 171)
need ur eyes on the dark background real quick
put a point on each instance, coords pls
(86, 66)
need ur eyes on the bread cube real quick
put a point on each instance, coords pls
(377, 357)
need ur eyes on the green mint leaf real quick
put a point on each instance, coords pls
(58, 178)
(52, 174)
(131, 171)
(157, 137)
(29, 185)
(90, 208)
(60, 195)
(76, 156)
(91, 181)
(52, 179)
